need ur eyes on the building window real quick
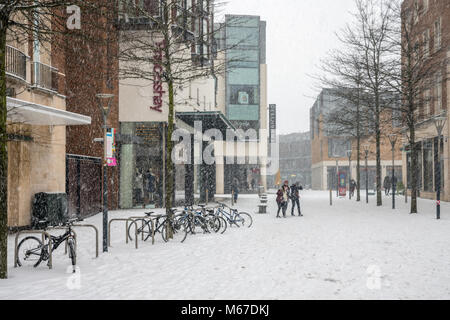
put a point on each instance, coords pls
(428, 165)
(426, 44)
(426, 102)
(438, 93)
(416, 11)
(425, 6)
(437, 34)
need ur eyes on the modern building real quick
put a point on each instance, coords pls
(243, 92)
(329, 150)
(36, 123)
(295, 158)
(432, 23)
(144, 110)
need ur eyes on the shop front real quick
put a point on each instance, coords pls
(142, 152)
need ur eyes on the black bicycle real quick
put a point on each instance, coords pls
(31, 250)
(162, 224)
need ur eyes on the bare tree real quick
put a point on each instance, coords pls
(344, 74)
(368, 36)
(174, 45)
(413, 75)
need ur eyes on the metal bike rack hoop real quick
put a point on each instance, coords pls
(126, 230)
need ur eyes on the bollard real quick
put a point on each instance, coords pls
(406, 195)
(331, 197)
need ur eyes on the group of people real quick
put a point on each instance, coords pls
(286, 193)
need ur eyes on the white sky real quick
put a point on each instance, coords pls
(299, 34)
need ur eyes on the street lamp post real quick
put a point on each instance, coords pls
(393, 141)
(349, 155)
(439, 122)
(337, 177)
(106, 109)
(366, 154)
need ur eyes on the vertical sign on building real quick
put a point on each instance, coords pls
(111, 148)
(272, 123)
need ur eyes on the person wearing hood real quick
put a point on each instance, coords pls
(295, 197)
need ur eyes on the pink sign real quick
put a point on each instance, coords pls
(112, 162)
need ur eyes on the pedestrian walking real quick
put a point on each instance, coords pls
(295, 198)
(387, 185)
(352, 187)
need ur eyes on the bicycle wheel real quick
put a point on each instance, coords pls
(72, 253)
(214, 222)
(145, 229)
(223, 224)
(179, 232)
(29, 252)
(244, 219)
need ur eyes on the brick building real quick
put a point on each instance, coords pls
(431, 20)
(91, 65)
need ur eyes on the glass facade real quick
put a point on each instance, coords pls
(141, 165)
(242, 34)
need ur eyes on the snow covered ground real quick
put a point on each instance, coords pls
(348, 251)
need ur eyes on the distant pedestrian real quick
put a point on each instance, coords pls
(295, 198)
(394, 183)
(387, 185)
(235, 189)
(352, 187)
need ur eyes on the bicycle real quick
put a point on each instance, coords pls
(233, 216)
(179, 230)
(31, 250)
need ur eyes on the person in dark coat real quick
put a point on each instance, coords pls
(387, 185)
(295, 197)
(352, 187)
(394, 183)
(235, 189)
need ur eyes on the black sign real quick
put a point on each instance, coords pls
(272, 122)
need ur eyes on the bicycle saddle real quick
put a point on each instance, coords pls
(149, 213)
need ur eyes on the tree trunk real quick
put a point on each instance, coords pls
(3, 158)
(358, 149)
(413, 169)
(378, 147)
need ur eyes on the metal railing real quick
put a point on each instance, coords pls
(45, 76)
(16, 63)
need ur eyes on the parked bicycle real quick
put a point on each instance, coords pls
(233, 217)
(161, 225)
(31, 250)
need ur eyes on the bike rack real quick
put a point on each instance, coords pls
(43, 233)
(126, 230)
(96, 235)
(151, 221)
